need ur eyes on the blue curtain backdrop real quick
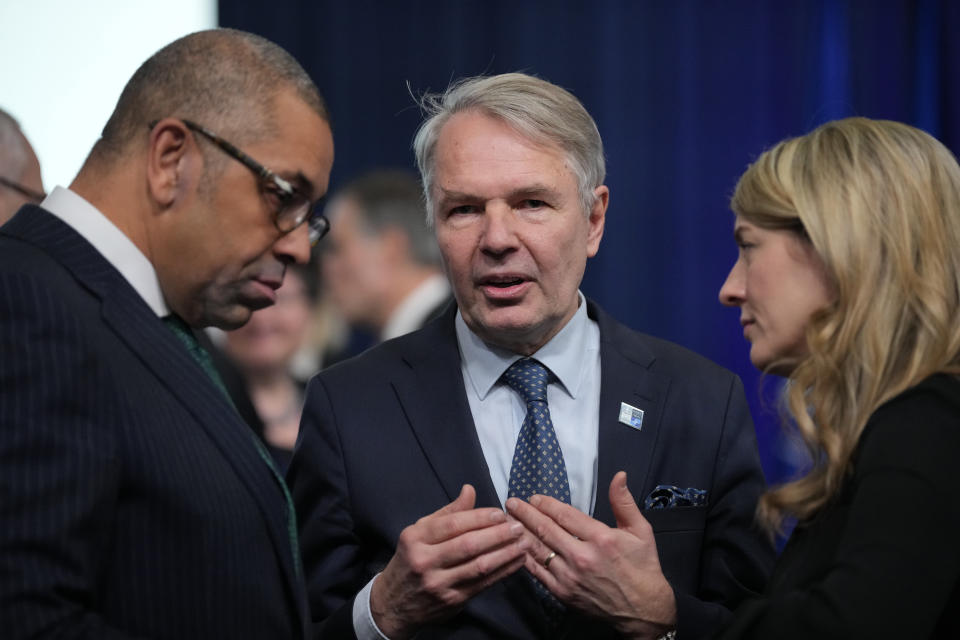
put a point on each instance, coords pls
(685, 94)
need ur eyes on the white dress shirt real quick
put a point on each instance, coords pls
(106, 238)
(573, 356)
(573, 396)
(412, 312)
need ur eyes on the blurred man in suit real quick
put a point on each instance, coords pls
(136, 503)
(526, 389)
(380, 265)
(20, 180)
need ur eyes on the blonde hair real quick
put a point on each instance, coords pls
(880, 203)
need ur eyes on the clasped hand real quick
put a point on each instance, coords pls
(443, 560)
(609, 573)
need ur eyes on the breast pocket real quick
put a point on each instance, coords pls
(679, 536)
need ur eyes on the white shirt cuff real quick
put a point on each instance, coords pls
(363, 624)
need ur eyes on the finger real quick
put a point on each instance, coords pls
(550, 577)
(488, 567)
(461, 591)
(453, 584)
(476, 544)
(463, 502)
(625, 508)
(440, 527)
(535, 546)
(542, 526)
(575, 522)
(507, 569)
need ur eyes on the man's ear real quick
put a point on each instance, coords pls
(597, 219)
(169, 163)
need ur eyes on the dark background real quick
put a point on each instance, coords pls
(685, 94)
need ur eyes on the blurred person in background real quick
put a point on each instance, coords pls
(263, 351)
(848, 284)
(380, 262)
(20, 180)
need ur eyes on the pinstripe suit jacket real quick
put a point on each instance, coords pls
(133, 502)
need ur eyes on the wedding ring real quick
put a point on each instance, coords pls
(549, 559)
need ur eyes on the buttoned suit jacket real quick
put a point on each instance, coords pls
(134, 502)
(388, 437)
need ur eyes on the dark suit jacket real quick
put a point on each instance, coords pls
(388, 438)
(882, 559)
(133, 502)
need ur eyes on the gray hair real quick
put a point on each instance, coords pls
(14, 148)
(538, 110)
(391, 199)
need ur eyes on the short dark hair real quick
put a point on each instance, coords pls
(392, 198)
(223, 78)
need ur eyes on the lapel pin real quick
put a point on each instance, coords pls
(631, 416)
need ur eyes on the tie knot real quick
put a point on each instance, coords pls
(528, 378)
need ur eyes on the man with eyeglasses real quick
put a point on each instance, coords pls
(20, 180)
(135, 501)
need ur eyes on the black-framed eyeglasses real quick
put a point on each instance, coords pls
(294, 207)
(33, 196)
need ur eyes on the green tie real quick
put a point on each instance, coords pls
(180, 328)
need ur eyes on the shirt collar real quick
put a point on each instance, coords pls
(111, 242)
(410, 314)
(563, 354)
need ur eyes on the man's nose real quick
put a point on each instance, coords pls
(294, 246)
(499, 229)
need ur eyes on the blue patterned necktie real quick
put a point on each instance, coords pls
(183, 331)
(538, 465)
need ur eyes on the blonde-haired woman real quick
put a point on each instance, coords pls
(848, 282)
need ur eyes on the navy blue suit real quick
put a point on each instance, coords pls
(388, 437)
(133, 502)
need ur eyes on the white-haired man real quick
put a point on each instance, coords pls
(409, 454)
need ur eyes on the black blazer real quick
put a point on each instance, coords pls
(133, 502)
(388, 438)
(883, 559)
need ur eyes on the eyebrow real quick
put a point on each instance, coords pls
(529, 191)
(301, 183)
(738, 232)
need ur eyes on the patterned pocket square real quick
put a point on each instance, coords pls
(667, 496)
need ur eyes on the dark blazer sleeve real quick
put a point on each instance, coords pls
(735, 558)
(331, 550)
(58, 474)
(892, 570)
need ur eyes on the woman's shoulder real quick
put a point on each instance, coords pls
(919, 427)
(938, 395)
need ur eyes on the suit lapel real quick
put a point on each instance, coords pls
(625, 378)
(161, 352)
(435, 403)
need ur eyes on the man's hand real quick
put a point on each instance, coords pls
(443, 560)
(612, 574)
